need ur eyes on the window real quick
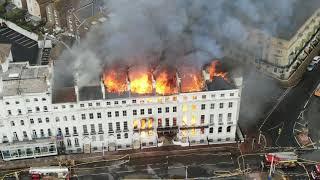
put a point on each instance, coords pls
(63, 106)
(194, 107)
(174, 109)
(126, 135)
(124, 102)
(41, 133)
(37, 109)
(203, 106)
(99, 115)
(211, 118)
(73, 117)
(59, 132)
(49, 132)
(202, 131)
(47, 119)
(67, 131)
(7, 103)
(219, 129)
(134, 112)
(230, 104)
(220, 105)
(211, 130)
(159, 122)
(91, 115)
(204, 96)
(221, 95)
(9, 112)
(97, 104)
(31, 121)
(44, 99)
(93, 130)
(100, 129)
(229, 129)
(85, 129)
(90, 104)
(194, 97)
(39, 120)
(117, 113)
(76, 142)
(17, 102)
(110, 127)
(202, 117)
(118, 136)
(25, 135)
(12, 123)
(29, 110)
(69, 142)
(142, 111)
(75, 132)
(124, 113)
(134, 101)
(231, 94)
(109, 114)
(118, 126)
(220, 117)
(65, 118)
(19, 111)
(108, 103)
(83, 116)
(27, 100)
(21, 122)
(174, 122)
(34, 134)
(35, 99)
(81, 105)
(125, 125)
(149, 111)
(159, 110)
(57, 119)
(15, 136)
(167, 109)
(167, 122)
(116, 102)
(229, 116)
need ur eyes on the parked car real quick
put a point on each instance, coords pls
(311, 66)
(316, 59)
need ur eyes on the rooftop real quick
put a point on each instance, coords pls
(4, 51)
(22, 78)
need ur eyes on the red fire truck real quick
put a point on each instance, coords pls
(315, 174)
(50, 172)
(280, 159)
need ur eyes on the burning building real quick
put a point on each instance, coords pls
(127, 108)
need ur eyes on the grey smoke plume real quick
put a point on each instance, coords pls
(147, 32)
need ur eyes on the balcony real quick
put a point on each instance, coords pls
(85, 133)
(100, 132)
(93, 133)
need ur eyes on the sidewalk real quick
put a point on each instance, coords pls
(112, 155)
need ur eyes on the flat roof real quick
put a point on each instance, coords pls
(22, 78)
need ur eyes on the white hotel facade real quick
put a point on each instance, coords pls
(37, 121)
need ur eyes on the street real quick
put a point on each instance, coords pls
(279, 125)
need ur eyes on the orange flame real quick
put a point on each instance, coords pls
(140, 82)
(115, 82)
(166, 83)
(215, 73)
(192, 82)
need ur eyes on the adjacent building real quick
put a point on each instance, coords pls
(38, 119)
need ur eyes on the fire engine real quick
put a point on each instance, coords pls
(315, 174)
(50, 172)
(280, 159)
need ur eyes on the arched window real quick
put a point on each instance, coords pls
(76, 141)
(69, 143)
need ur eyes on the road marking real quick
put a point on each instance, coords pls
(277, 104)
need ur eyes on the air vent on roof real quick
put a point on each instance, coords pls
(14, 75)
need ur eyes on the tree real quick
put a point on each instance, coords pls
(2, 10)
